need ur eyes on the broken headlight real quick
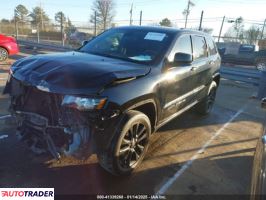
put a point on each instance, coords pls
(83, 103)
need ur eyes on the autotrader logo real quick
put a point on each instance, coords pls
(26, 193)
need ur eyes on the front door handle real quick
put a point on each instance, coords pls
(211, 63)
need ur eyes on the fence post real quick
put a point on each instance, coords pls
(16, 25)
(95, 23)
(201, 18)
(38, 33)
(140, 18)
(62, 30)
(221, 29)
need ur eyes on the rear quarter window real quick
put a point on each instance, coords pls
(211, 46)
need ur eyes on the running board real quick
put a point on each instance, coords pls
(176, 114)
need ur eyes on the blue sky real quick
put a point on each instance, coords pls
(253, 11)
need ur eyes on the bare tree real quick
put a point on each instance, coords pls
(70, 28)
(104, 10)
(236, 32)
(238, 27)
(60, 17)
(252, 35)
(230, 35)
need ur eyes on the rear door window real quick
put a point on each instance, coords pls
(199, 47)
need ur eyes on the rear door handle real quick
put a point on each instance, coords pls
(211, 63)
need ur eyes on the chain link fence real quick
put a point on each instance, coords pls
(72, 36)
(48, 33)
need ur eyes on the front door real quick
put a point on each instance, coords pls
(178, 80)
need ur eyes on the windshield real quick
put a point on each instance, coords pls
(142, 46)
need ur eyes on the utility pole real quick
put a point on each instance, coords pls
(62, 29)
(131, 11)
(16, 24)
(187, 11)
(221, 29)
(41, 15)
(201, 18)
(95, 23)
(262, 32)
(38, 32)
(140, 18)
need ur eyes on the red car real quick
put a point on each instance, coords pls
(8, 46)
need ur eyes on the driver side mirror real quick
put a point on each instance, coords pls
(87, 41)
(183, 58)
(263, 103)
(84, 42)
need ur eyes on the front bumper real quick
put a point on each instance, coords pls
(41, 137)
(46, 126)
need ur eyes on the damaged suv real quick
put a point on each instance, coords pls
(110, 95)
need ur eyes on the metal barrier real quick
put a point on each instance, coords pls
(241, 74)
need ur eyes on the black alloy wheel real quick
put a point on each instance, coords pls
(204, 107)
(129, 144)
(132, 146)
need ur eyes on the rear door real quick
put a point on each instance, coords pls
(201, 66)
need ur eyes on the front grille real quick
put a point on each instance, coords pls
(36, 101)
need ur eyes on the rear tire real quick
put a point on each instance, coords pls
(205, 106)
(3, 54)
(128, 146)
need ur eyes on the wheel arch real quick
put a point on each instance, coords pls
(149, 108)
(216, 77)
(1, 46)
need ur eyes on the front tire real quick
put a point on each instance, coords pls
(3, 54)
(129, 144)
(205, 106)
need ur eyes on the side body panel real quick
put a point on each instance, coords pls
(9, 44)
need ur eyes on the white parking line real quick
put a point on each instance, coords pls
(3, 137)
(171, 180)
(5, 117)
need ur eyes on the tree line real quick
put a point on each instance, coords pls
(237, 32)
(102, 15)
(37, 18)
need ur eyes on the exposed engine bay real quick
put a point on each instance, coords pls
(47, 126)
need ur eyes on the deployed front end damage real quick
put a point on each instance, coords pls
(48, 122)
(57, 103)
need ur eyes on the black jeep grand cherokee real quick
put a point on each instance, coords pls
(110, 95)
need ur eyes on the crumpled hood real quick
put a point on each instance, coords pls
(74, 72)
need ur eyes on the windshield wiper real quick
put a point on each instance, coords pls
(114, 56)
